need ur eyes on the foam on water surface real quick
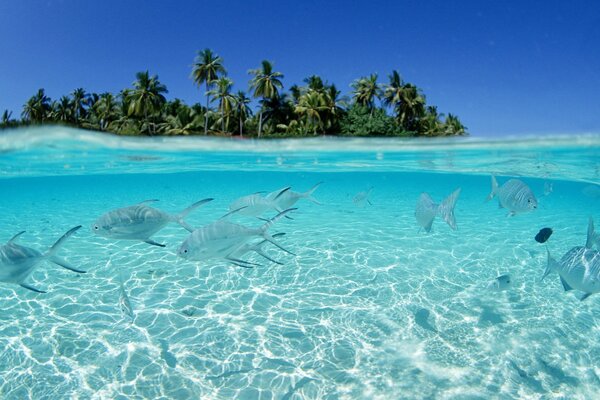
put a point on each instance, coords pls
(368, 308)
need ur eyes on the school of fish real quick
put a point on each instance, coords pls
(227, 241)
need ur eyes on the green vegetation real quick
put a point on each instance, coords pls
(397, 108)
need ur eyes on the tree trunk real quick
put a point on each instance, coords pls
(260, 123)
(206, 112)
(222, 120)
(241, 127)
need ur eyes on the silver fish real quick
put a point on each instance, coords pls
(18, 262)
(222, 238)
(503, 282)
(427, 210)
(255, 205)
(139, 222)
(579, 268)
(287, 198)
(514, 195)
(363, 197)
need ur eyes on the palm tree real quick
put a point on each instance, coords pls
(37, 107)
(312, 104)
(62, 110)
(334, 105)
(226, 100)
(394, 91)
(7, 121)
(206, 69)
(411, 107)
(79, 103)
(106, 109)
(242, 109)
(265, 84)
(315, 83)
(366, 90)
(453, 126)
(147, 96)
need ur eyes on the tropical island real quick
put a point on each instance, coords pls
(396, 108)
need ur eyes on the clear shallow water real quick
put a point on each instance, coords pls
(368, 308)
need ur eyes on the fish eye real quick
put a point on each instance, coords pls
(96, 227)
(185, 250)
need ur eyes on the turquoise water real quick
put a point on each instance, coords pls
(369, 307)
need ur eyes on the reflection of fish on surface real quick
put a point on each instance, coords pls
(579, 268)
(287, 198)
(592, 191)
(503, 282)
(222, 238)
(427, 210)
(18, 262)
(362, 198)
(548, 188)
(514, 195)
(139, 222)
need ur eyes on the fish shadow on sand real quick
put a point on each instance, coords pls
(422, 319)
(489, 316)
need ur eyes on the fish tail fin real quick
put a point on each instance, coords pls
(50, 253)
(592, 237)
(309, 194)
(494, 189)
(446, 208)
(551, 264)
(180, 218)
(265, 227)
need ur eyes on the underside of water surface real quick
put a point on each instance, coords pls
(369, 306)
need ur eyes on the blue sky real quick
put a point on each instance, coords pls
(504, 67)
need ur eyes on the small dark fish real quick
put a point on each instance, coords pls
(543, 235)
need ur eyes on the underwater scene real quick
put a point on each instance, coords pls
(180, 268)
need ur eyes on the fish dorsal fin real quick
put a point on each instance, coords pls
(233, 212)
(591, 235)
(149, 201)
(282, 192)
(12, 239)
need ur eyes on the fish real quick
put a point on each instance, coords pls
(124, 302)
(548, 188)
(222, 239)
(427, 210)
(255, 247)
(514, 195)
(18, 262)
(140, 221)
(363, 197)
(543, 235)
(503, 282)
(579, 268)
(255, 205)
(286, 199)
